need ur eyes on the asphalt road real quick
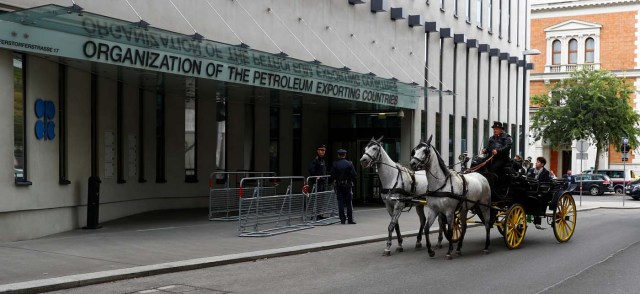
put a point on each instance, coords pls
(602, 257)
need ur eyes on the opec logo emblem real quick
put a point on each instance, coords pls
(45, 112)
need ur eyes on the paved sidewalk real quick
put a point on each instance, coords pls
(169, 241)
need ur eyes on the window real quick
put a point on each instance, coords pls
(467, 13)
(490, 16)
(62, 122)
(476, 133)
(573, 51)
(589, 49)
(296, 122)
(438, 131)
(221, 119)
(452, 122)
(479, 12)
(515, 141)
(190, 131)
(463, 141)
(455, 7)
(119, 128)
(500, 19)
(557, 52)
(19, 120)
(160, 129)
(509, 22)
(274, 130)
(572, 45)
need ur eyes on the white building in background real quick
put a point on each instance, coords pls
(150, 97)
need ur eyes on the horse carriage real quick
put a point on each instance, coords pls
(516, 199)
(449, 196)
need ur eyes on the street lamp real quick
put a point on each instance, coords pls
(524, 93)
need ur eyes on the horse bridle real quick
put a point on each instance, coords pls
(423, 161)
(376, 159)
(399, 179)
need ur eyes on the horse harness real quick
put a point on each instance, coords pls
(408, 196)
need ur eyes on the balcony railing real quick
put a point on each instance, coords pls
(570, 67)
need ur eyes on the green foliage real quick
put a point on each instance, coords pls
(592, 105)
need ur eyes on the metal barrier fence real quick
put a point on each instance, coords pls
(322, 207)
(263, 215)
(224, 192)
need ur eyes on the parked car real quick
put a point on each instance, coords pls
(593, 184)
(633, 190)
(618, 177)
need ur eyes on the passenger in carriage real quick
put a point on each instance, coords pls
(518, 166)
(499, 146)
(540, 173)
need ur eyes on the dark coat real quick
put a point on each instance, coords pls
(343, 173)
(502, 144)
(317, 166)
(544, 175)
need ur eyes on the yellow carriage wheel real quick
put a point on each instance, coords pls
(499, 223)
(515, 226)
(564, 218)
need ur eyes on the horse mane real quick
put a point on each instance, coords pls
(444, 167)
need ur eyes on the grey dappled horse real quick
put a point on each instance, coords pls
(449, 190)
(399, 181)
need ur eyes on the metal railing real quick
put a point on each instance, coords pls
(224, 192)
(262, 215)
(322, 205)
(558, 68)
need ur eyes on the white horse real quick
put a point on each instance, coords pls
(399, 185)
(448, 190)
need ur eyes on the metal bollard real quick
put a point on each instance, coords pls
(93, 204)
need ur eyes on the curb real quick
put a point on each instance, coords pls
(81, 280)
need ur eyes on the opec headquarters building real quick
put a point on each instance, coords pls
(143, 100)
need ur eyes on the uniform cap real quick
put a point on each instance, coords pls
(341, 151)
(321, 146)
(497, 124)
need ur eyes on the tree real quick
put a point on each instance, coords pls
(588, 105)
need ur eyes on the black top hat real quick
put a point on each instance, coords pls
(497, 124)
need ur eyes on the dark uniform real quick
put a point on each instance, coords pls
(318, 167)
(343, 174)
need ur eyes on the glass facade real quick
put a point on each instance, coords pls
(19, 118)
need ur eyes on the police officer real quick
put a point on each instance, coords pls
(343, 173)
(499, 146)
(318, 167)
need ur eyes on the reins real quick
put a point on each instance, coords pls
(479, 166)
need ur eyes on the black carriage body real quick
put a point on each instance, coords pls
(534, 196)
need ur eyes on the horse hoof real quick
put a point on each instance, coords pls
(399, 249)
(438, 246)
(418, 245)
(386, 252)
(485, 251)
(458, 253)
(448, 257)
(432, 253)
